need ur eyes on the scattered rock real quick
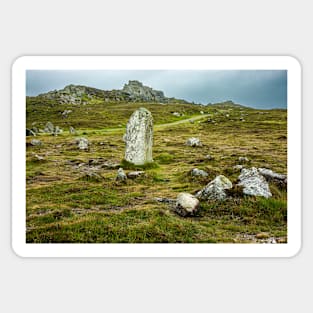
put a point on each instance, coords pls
(72, 130)
(243, 159)
(57, 131)
(49, 128)
(176, 114)
(36, 142)
(238, 167)
(254, 184)
(82, 143)
(209, 157)
(215, 190)
(201, 112)
(197, 172)
(186, 204)
(139, 137)
(29, 132)
(121, 176)
(193, 142)
(269, 175)
(38, 157)
(135, 174)
(65, 113)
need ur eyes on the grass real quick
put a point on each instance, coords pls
(66, 204)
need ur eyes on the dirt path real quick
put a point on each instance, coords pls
(159, 126)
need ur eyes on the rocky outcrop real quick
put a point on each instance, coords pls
(133, 91)
(138, 92)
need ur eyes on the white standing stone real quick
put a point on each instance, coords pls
(139, 137)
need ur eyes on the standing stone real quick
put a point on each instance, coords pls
(139, 137)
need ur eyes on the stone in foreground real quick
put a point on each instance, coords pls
(193, 142)
(253, 183)
(139, 137)
(215, 190)
(186, 204)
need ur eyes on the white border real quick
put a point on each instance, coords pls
(155, 62)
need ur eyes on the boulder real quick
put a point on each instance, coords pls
(253, 183)
(139, 137)
(215, 190)
(193, 142)
(186, 204)
(199, 173)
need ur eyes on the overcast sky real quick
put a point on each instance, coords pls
(254, 88)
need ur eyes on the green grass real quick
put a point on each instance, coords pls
(64, 204)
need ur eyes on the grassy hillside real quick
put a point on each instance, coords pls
(67, 204)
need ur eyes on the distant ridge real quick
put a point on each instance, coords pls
(133, 91)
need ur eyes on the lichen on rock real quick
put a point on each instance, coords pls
(139, 137)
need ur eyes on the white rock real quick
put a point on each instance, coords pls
(243, 159)
(121, 176)
(186, 204)
(197, 172)
(82, 143)
(215, 190)
(135, 174)
(36, 142)
(139, 137)
(193, 142)
(254, 184)
(270, 175)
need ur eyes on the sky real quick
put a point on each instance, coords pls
(254, 88)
